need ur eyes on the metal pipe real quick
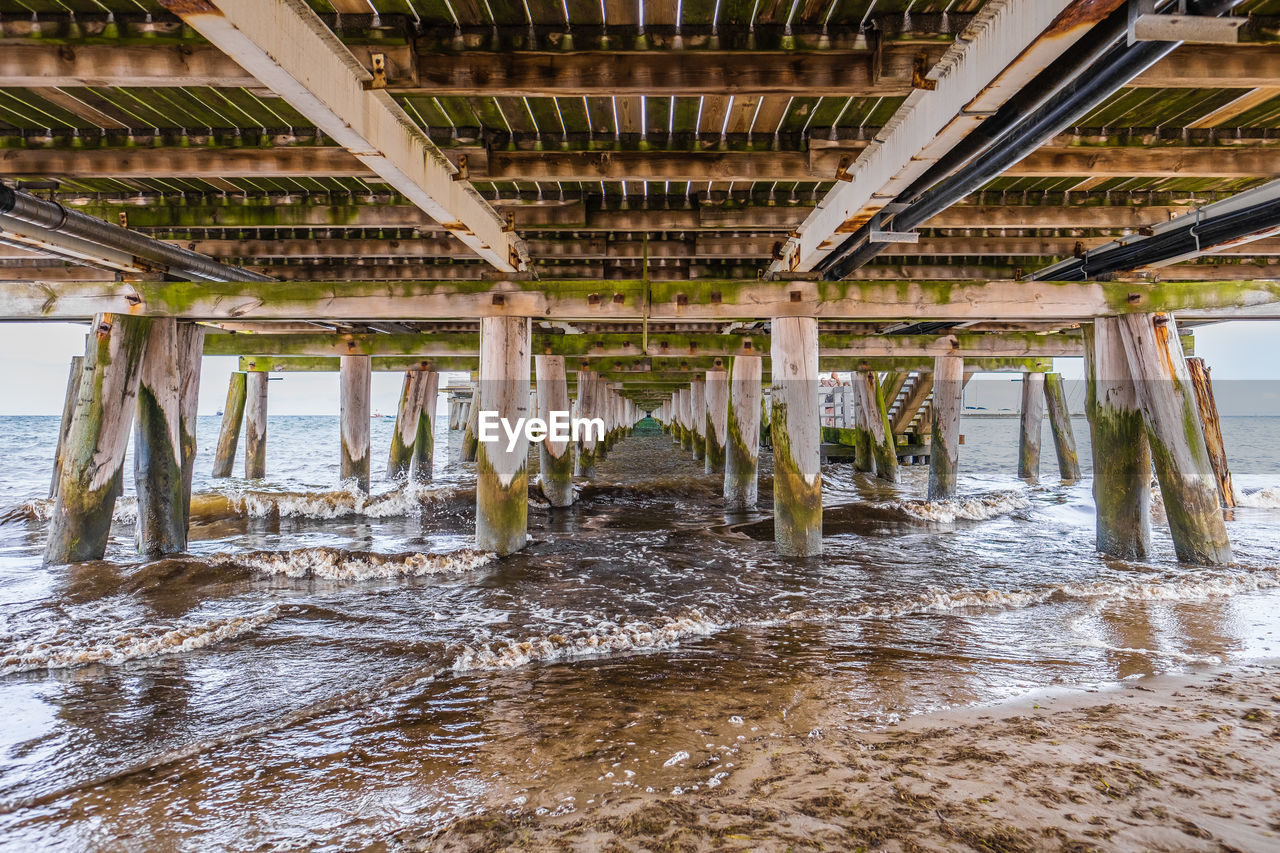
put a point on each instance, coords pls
(1014, 133)
(49, 216)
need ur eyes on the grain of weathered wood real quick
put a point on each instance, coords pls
(1208, 409)
(944, 446)
(796, 430)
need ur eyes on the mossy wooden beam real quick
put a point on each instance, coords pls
(255, 425)
(64, 425)
(502, 480)
(574, 299)
(944, 447)
(95, 448)
(796, 430)
(742, 433)
(555, 468)
(1064, 440)
(224, 456)
(1121, 453)
(1030, 427)
(423, 470)
(1208, 409)
(157, 443)
(1176, 437)
(405, 432)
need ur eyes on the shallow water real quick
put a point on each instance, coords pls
(334, 670)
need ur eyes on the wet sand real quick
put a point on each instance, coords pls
(1174, 762)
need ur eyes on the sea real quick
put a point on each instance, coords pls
(334, 670)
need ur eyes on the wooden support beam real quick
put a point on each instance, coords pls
(405, 431)
(424, 443)
(157, 444)
(1064, 440)
(188, 355)
(93, 458)
(1030, 427)
(698, 418)
(224, 456)
(1243, 66)
(1176, 437)
(796, 429)
(555, 468)
(354, 373)
(64, 425)
(1208, 409)
(742, 431)
(588, 407)
(502, 481)
(1121, 453)
(994, 301)
(255, 426)
(291, 51)
(944, 445)
(884, 450)
(717, 403)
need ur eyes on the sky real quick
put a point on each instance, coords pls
(34, 359)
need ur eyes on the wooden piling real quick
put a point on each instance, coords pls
(1203, 387)
(405, 433)
(585, 464)
(1064, 440)
(555, 458)
(797, 475)
(717, 401)
(157, 446)
(1121, 453)
(1030, 426)
(355, 379)
(698, 418)
(224, 456)
(255, 426)
(944, 450)
(190, 360)
(424, 443)
(502, 480)
(1178, 450)
(64, 425)
(94, 454)
(686, 419)
(470, 444)
(861, 426)
(742, 433)
(884, 450)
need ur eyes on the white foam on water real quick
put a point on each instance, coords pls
(975, 508)
(1268, 498)
(341, 503)
(603, 638)
(41, 509)
(1170, 654)
(66, 648)
(336, 564)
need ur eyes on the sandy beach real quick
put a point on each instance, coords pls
(1174, 762)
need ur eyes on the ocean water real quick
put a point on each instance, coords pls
(332, 670)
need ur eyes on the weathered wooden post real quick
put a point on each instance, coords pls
(1176, 437)
(555, 468)
(424, 443)
(355, 378)
(1121, 453)
(1064, 440)
(1212, 429)
(255, 426)
(405, 433)
(232, 417)
(944, 451)
(93, 458)
(470, 444)
(884, 450)
(64, 426)
(1030, 426)
(502, 481)
(190, 361)
(717, 402)
(588, 389)
(797, 475)
(891, 387)
(742, 431)
(686, 419)
(861, 426)
(698, 418)
(157, 445)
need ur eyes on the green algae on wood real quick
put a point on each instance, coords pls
(1064, 440)
(224, 456)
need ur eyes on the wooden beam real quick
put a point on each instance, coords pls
(291, 51)
(1237, 107)
(362, 301)
(1244, 66)
(659, 346)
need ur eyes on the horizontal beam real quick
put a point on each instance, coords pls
(635, 371)
(364, 301)
(587, 166)
(655, 346)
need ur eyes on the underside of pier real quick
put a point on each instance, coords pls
(646, 207)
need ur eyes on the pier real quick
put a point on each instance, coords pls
(825, 227)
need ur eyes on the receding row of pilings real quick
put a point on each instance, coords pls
(1144, 404)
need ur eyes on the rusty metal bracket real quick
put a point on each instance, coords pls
(842, 168)
(123, 218)
(463, 174)
(379, 69)
(510, 227)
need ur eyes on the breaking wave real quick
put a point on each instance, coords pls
(64, 648)
(337, 564)
(1268, 498)
(602, 638)
(41, 509)
(976, 508)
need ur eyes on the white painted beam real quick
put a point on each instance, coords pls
(286, 46)
(1005, 46)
